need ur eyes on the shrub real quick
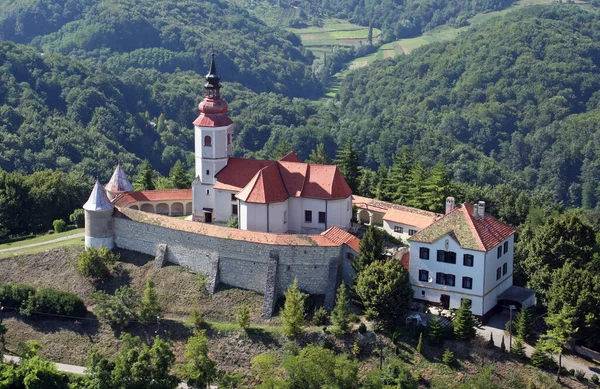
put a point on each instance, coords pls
(15, 295)
(96, 264)
(233, 222)
(320, 316)
(572, 372)
(243, 317)
(353, 318)
(196, 319)
(362, 328)
(518, 348)
(151, 307)
(59, 225)
(118, 310)
(595, 380)
(55, 302)
(580, 375)
(77, 217)
(292, 315)
(448, 357)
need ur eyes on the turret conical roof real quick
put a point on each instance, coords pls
(119, 181)
(98, 200)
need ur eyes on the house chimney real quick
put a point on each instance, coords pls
(449, 204)
(475, 212)
(481, 209)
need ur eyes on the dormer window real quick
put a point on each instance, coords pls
(207, 141)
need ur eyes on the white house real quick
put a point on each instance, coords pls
(285, 196)
(466, 254)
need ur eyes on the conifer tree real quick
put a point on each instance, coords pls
(464, 323)
(539, 357)
(502, 345)
(179, 176)
(396, 183)
(436, 337)
(561, 332)
(198, 370)
(281, 149)
(436, 188)
(416, 191)
(370, 248)
(319, 155)
(243, 317)
(448, 357)
(161, 125)
(518, 348)
(145, 177)
(348, 160)
(524, 324)
(340, 316)
(150, 308)
(292, 315)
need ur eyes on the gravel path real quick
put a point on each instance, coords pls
(78, 235)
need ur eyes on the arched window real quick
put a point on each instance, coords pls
(208, 141)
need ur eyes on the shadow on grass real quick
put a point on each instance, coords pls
(170, 330)
(48, 324)
(119, 278)
(136, 259)
(264, 336)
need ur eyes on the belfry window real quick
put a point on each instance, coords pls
(207, 141)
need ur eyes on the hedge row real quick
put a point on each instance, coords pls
(29, 301)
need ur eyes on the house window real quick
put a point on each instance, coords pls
(234, 210)
(499, 251)
(505, 247)
(207, 191)
(308, 216)
(412, 232)
(498, 273)
(284, 217)
(207, 172)
(446, 256)
(423, 275)
(399, 229)
(422, 293)
(468, 260)
(233, 197)
(207, 141)
(440, 278)
(467, 283)
(505, 269)
(322, 217)
(450, 279)
(424, 253)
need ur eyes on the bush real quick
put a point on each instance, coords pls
(353, 318)
(59, 225)
(243, 317)
(118, 310)
(15, 295)
(362, 328)
(595, 380)
(96, 264)
(77, 217)
(55, 302)
(320, 316)
(448, 357)
(233, 222)
(580, 375)
(196, 319)
(572, 372)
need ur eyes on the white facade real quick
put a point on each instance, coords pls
(399, 230)
(212, 150)
(296, 215)
(481, 277)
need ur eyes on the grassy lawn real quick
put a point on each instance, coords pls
(40, 239)
(38, 249)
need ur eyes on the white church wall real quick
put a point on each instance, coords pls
(295, 215)
(223, 203)
(314, 206)
(339, 213)
(254, 216)
(277, 222)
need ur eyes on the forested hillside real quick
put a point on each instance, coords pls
(164, 36)
(514, 101)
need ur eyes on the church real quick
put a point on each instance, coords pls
(285, 196)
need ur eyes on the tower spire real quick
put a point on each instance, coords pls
(212, 78)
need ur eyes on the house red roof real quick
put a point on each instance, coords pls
(474, 233)
(153, 195)
(281, 179)
(265, 187)
(339, 236)
(290, 157)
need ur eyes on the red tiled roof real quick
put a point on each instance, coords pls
(238, 173)
(212, 120)
(409, 218)
(470, 232)
(397, 213)
(290, 157)
(298, 179)
(215, 231)
(265, 187)
(325, 182)
(153, 195)
(339, 236)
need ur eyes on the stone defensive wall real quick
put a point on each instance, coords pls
(263, 262)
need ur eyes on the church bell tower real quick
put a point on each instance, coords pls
(212, 131)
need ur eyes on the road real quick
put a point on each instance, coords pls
(78, 235)
(495, 326)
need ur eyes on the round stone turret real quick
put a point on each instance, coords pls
(98, 219)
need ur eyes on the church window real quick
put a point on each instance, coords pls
(207, 141)
(308, 216)
(207, 172)
(322, 217)
(207, 191)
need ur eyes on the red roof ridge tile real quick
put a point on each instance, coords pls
(290, 157)
(149, 195)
